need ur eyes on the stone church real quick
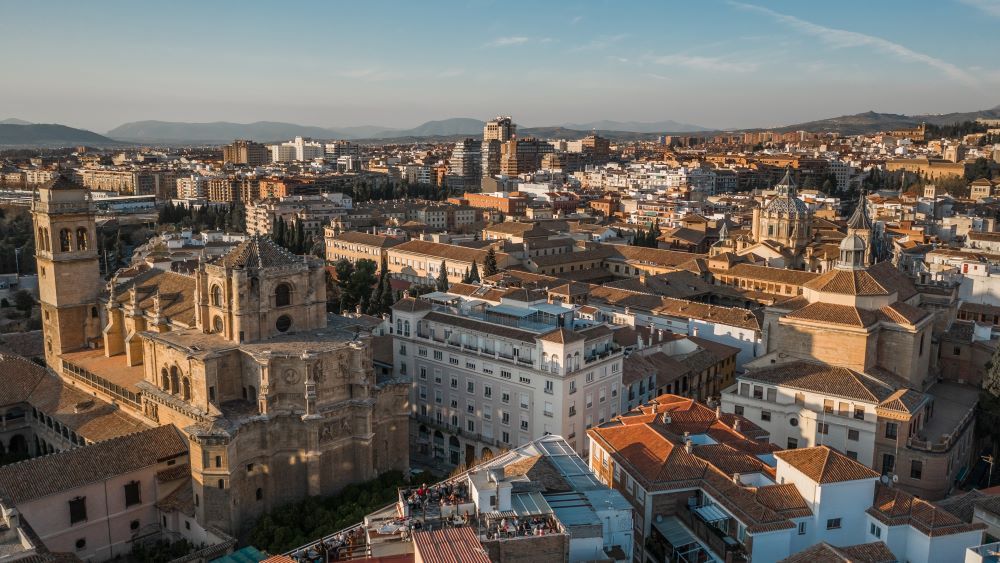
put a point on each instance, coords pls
(277, 399)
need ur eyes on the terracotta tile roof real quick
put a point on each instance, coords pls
(827, 380)
(23, 381)
(848, 282)
(904, 400)
(599, 253)
(180, 499)
(18, 378)
(176, 293)
(825, 465)
(902, 313)
(61, 182)
(369, 239)
(411, 305)
(875, 552)
(784, 499)
(173, 473)
(768, 274)
(895, 507)
(652, 256)
(649, 455)
(447, 251)
(846, 315)
(43, 476)
(256, 252)
(729, 460)
(561, 335)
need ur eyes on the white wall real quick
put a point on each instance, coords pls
(772, 546)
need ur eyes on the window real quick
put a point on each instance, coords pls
(81, 543)
(758, 392)
(859, 413)
(875, 530)
(133, 525)
(888, 463)
(853, 435)
(833, 524)
(524, 400)
(852, 455)
(793, 421)
(216, 296)
(81, 240)
(470, 386)
(77, 510)
(765, 416)
(916, 469)
(572, 387)
(65, 242)
(505, 437)
(487, 391)
(283, 323)
(260, 493)
(423, 373)
(470, 407)
(549, 388)
(800, 398)
(772, 394)
(828, 406)
(132, 495)
(843, 408)
(505, 397)
(890, 430)
(802, 528)
(792, 443)
(438, 355)
(822, 428)
(454, 383)
(471, 425)
(217, 325)
(283, 295)
(738, 409)
(504, 417)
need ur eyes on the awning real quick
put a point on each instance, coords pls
(711, 513)
(675, 532)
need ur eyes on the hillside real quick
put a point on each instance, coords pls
(50, 135)
(661, 127)
(14, 121)
(871, 122)
(216, 132)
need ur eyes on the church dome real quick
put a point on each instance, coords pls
(787, 202)
(853, 243)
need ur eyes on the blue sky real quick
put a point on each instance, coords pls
(715, 63)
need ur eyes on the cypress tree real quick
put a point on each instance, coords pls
(442, 280)
(490, 263)
(474, 274)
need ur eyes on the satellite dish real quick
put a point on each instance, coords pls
(885, 479)
(659, 518)
(895, 478)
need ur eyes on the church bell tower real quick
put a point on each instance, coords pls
(68, 273)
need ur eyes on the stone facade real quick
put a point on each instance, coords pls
(277, 400)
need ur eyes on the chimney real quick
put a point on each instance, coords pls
(736, 424)
(718, 411)
(736, 478)
(639, 342)
(689, 446)
(659, 335)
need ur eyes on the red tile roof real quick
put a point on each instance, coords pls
(825, 465)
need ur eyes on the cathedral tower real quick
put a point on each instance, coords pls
(68, 273)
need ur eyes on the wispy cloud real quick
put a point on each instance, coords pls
(988, 7)
(576, 20)
(841, 38)
(708, 64)
(508, 41)
(599, 43)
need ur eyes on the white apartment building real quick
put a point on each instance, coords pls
(829, 405)
(191, 187)
(491, 377)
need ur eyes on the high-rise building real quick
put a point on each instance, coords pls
(245, 152)
(465, 165)
(496, 132)
(500, 128)
(518, 156)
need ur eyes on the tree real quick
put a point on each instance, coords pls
(474, 273)
(490, 263)
(442, 280)
(23, 301)
(465, 276)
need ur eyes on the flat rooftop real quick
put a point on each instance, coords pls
(952, 402)
(113, 369)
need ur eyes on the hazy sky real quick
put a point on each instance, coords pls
(714, 63)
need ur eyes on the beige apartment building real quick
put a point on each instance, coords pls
(161, 183)
(354, 246)
(419, 261)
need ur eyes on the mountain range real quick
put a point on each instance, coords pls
(17, 132)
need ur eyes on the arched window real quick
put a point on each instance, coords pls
(576, 360)
(81, 238)
(41, 238)
(93, 312)
(175, 380)
(65, 240)
(217, 324)
(260, 493)
(186, 389)
(283, 295)
(216, 296)
(164, 380)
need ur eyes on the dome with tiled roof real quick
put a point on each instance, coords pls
(258, 252)
(787, 202)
